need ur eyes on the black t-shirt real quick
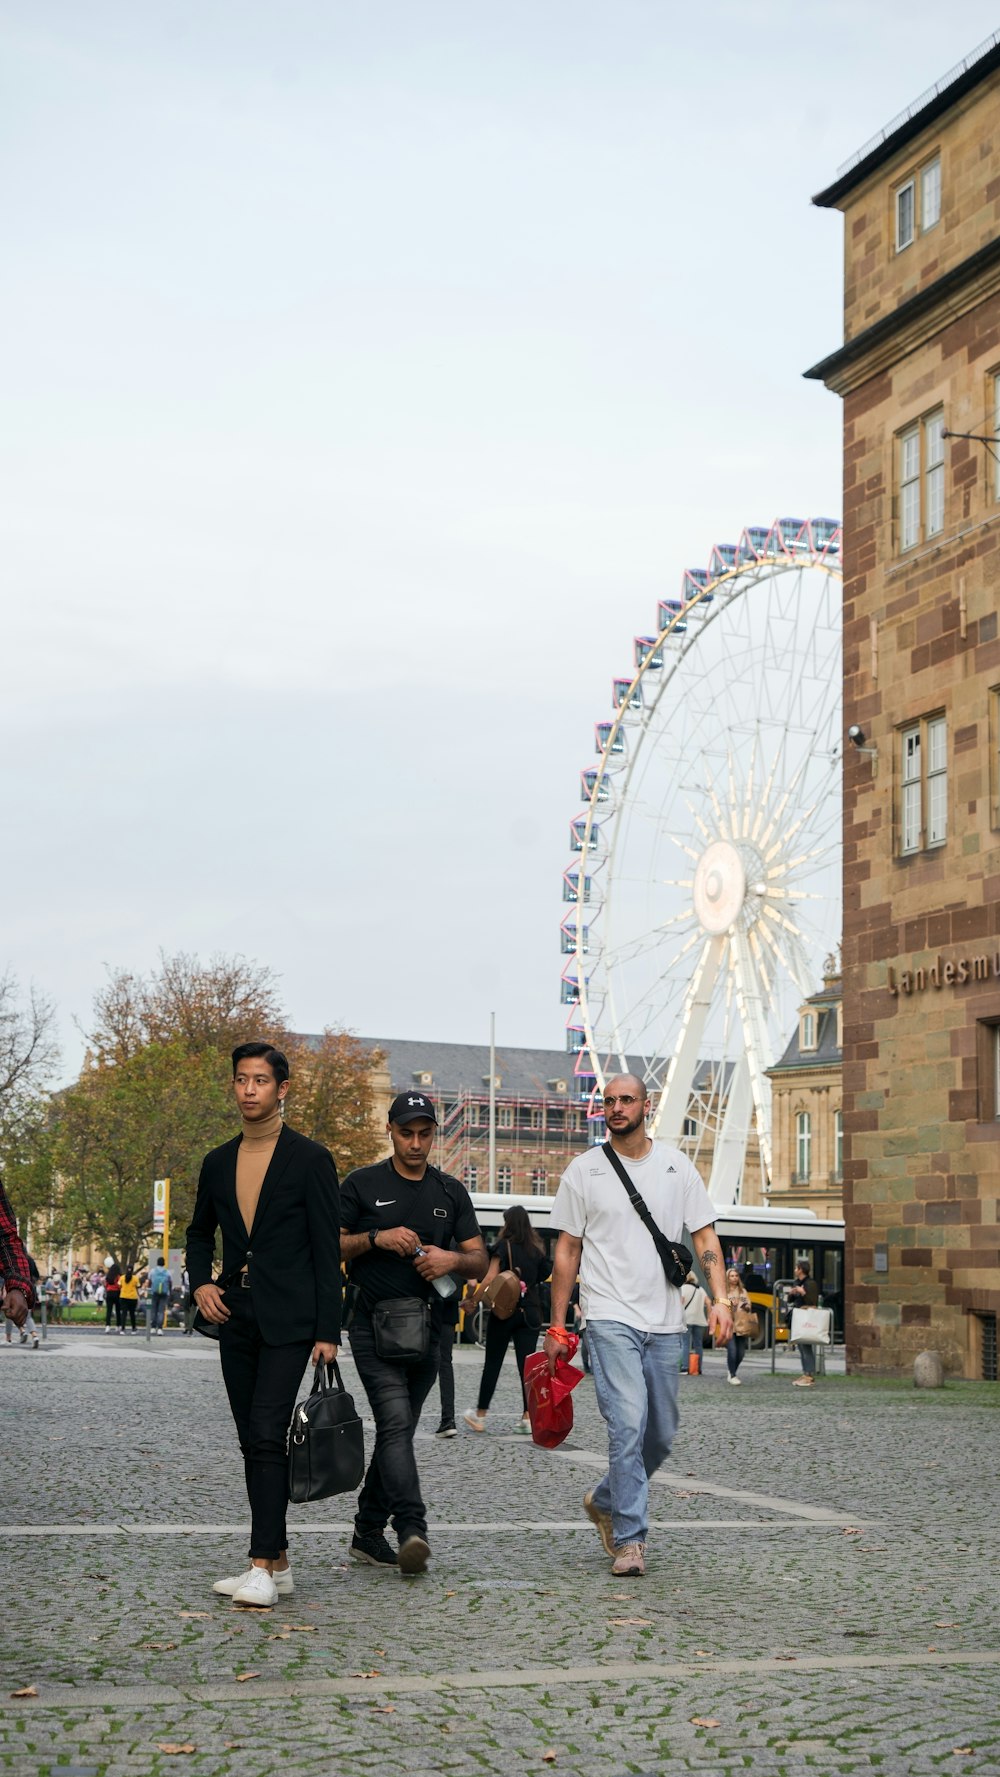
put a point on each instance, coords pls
(436, 1207)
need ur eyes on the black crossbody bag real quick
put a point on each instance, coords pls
(675, 1258)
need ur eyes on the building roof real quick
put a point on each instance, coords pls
(828, 1052)
(977, 66)
(458, 1067)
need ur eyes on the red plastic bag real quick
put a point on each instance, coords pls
(550, 1398)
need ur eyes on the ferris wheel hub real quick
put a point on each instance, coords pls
(720, 886)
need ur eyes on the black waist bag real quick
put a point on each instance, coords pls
(401, 1326)
(326, 1445)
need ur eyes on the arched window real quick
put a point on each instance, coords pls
(803, 1147)
(838, 1143)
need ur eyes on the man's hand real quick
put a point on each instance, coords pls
(324, 1352)
(398, 1240)
(15, 1306)
(554, 1349)
(209, 1299)
(720, 1323)
(434, 1262)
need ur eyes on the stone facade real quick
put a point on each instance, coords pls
(921, 942)
(806, 1108)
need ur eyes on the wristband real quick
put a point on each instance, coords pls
(372, 1236)
(559, 1334)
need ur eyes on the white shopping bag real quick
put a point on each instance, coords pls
(811, 1326)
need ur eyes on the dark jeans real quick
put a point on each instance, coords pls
(499, 1334)
(261, 1382)
(446, 1374)
(159, 1302)
(396, 1393)
(110, 1308)
(807, 1358)
(736, 1351)
(126, 1311)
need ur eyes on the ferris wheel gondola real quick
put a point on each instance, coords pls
(704, 887)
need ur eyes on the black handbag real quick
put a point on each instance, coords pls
(401, 1326)
(675, 1258)
(326, 1445)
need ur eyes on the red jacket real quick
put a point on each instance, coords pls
(13, 1258)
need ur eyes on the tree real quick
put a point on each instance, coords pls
(28, 1055)
(208, 1006)
(124, 1124)
(332, 1097)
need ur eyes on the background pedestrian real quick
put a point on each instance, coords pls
(128, 1296)
(694, 1301)
(804, 1293)
(519, 1249)
(740, 1304)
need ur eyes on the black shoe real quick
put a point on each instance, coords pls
(414, 1554)
(373, 1549)
(447, 1429)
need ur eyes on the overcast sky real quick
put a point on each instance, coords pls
(371, 367)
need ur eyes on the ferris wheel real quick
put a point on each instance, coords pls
(705, 888)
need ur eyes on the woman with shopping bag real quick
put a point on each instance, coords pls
(804, 1293)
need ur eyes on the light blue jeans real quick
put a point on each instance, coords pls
(635, 1380)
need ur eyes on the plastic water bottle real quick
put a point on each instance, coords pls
(446, 1285)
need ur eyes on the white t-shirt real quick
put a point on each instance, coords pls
(621, 1277)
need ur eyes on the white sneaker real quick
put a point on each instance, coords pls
(107, 1330)
(256, 1590)
(735, 1382)
(477, 1421)
(159, 1332)
(284, 1584)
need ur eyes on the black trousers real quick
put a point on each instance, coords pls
(110, 1307)
(126, 1311)
(499, 1334)
(446, 1373)
(396, 1393)
(262, 1382)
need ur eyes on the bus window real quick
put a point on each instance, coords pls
(832, 1281)
(803, 1255)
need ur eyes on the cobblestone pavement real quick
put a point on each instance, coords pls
(820, 1594)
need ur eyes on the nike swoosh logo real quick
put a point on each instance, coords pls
(380, 1205)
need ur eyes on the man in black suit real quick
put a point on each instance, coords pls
(275, 1197)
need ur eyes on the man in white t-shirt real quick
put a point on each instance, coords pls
(635, 1321)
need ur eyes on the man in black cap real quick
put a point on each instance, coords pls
(399, 1221)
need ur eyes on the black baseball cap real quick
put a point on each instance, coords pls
(408, 1107)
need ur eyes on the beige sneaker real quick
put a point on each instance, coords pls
(603, 1523)
(630, 1561)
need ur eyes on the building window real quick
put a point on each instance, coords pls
(803, 1147)
(930, 194)
(906, 204)
(505, 1116)
(996, 433)
(988, 1069)
(921, 497)
(690, 1128)
(926, 183)
(505, 1178)
(474, 1116)
(539, 1180)
(924, 784)
(535, 1118)
(807, 1031)
(470, 1178)
(934, 474)
(838, 1144)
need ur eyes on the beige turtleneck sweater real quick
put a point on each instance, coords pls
(253, 1157)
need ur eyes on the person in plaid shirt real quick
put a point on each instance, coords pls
(18, 1296)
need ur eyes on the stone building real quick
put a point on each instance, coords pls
(541, 1112)
(919, 375)
(807, 1122)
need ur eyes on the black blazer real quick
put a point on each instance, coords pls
(292, 1252)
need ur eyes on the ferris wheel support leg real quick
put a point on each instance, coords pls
(731, 1147)
(668, 1122)
(754, 1020)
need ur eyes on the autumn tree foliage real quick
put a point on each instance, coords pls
(331, 1097)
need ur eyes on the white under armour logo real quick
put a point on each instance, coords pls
(414, 1101)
